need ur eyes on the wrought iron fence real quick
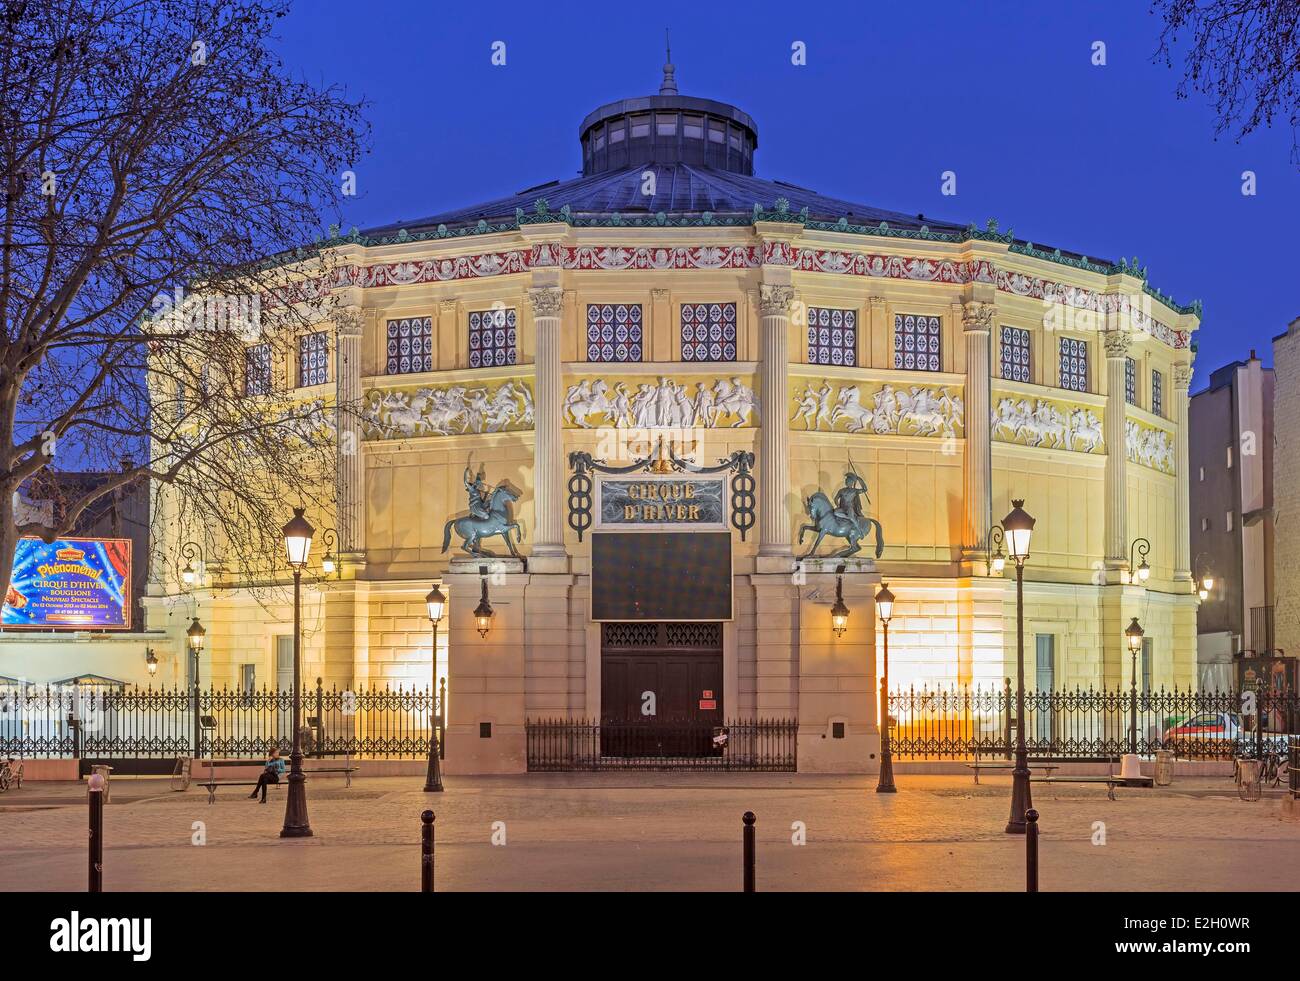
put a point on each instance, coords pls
(134, 723)
(1084, 724)
(580, 744)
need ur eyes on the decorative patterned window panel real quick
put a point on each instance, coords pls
(313, 359)
(1074, 364)
(1130, 381)
(832, 336)
(257, 369)
(708, 332)
(492, 337)
(1015, 354)
(1157, 393)
(614, 332)
(410, 345)
(916, 342)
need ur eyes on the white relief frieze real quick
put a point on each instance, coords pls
(449, 411)
(1148, 446)
(889, 411)
(1040, 422)
(595, 402)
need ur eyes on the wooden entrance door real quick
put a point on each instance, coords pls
(661, 688)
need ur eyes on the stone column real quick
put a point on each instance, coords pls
(1117, 343)
(350, 476)
(977, 319)
(1182, 509)
(774, 442)
(548, 434)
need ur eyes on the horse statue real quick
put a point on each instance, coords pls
(473, 529)
(844, 519)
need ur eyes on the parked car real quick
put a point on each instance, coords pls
(1205, 730)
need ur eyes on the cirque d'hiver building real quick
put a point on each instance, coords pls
(670, 290)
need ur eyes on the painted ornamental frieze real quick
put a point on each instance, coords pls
(830, 406)
(646, 403)
(449, 410)
(1047, 423)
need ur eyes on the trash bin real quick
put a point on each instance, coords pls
(1248, 787)
(103, 769)
(1164, 768)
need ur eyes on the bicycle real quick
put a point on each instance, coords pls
(9, 774)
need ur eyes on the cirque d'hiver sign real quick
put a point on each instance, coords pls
(70, 584)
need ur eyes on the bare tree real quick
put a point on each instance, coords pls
(1243, 54)
(154, 153)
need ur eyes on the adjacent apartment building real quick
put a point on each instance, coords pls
(1232, 533)
(1286, 476)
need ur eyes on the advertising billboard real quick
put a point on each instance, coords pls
(69, 584)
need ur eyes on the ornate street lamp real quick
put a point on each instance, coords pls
(191, 553)
(1018, 527)
(997, 561)
(483, 613)
(435, 603)
(1133, 633)
(328, 562)
(151, 661)
(1205, 581)
(885, 609)
(1141, 547)
(297, 544)
(194, 636)
(839, 612)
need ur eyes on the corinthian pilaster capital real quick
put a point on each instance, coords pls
(1182, 376)
(774, 301)
(978, 316)
(1117, 342)
(349, 321)
(547, 301)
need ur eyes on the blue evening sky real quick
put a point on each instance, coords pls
(1102, 160)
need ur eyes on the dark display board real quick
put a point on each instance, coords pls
(661, 575)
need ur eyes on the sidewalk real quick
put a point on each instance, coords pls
(652, 831)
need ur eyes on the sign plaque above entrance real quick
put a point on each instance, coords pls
(653, 502)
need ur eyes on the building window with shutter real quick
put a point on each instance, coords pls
(1015, 354)
(492, 337)
(614, 332)
(832, 336)
(916, 343)
(1074, 364)
(313, 359)
(410, 345)
(257, 369)
(708, 332)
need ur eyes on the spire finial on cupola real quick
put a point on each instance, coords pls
(669, 86)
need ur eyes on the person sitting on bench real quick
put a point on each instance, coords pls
(274, 768)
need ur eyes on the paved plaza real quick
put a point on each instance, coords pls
(653, 831)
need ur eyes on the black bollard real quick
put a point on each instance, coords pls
(748, 836)
(426, 851)
(1031, 850)
(95, 798)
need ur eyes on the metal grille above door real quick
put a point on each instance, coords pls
(679, 636)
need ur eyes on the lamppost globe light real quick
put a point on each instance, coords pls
(885, 603)
(196, 633)
(1134, 634)
(1203, 593)
(327, 563)
(151, 661)
(1208, 583)
(1018, 527)
(297, 539)
(187, 574)
(436, 603)
(999, 562)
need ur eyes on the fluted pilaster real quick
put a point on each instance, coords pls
(977, 319)
(774, 434)
(1182, 467)
(548, 435)
(1117, 345)
(350, 477)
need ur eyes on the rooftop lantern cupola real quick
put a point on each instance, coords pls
(668, 129)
